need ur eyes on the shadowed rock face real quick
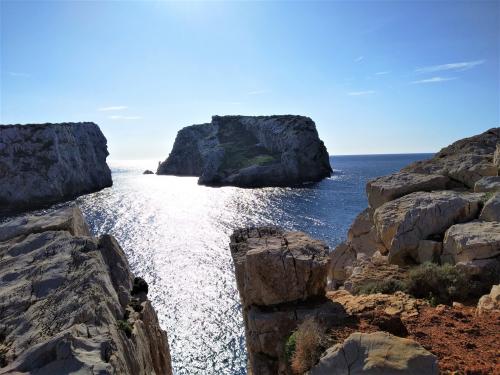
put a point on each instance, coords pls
(47, 163)
(250, 151)
(67, 304)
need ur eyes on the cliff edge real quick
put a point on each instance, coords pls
(250, 151)
(69, 302)
(41, 164)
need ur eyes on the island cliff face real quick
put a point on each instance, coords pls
(69, 302)
(429, 240)
(250, 151)
(42, 164)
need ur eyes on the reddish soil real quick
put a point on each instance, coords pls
(463, 342)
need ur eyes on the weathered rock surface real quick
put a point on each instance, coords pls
(490, 302)
(475, 240)
(401, 224)
(66, 303)
(491, 209)
(250, 151)
(281, 277)
(376, 353)
(388, 188)
(487, 184)
(47, 163)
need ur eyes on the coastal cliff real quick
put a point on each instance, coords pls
(41, 164)
(69, 302)
(250, 151)
(417, 278)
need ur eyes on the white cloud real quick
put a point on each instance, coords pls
(359, 58)
(359, 93)
(121, 117)
(435, 80)
(381, 73)
(460, 66)
(257, 92)
(18, 74)
(113, 108)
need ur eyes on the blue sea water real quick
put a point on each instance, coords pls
(176, 233)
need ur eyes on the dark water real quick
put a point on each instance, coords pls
(175, 234)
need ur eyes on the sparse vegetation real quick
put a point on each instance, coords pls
(305, 345)
(388, 286)
(126, 327)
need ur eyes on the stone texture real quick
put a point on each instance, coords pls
(489, 302)
(47, 163)
(491, 209)
(466, 160)
(388, 188)
(429, 251)
(376, 353)
(496, 157)
(487, 184)
(401, 224)
(250, 151)
(471, 241)
(63, 296)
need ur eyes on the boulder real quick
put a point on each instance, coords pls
(388, 188)
(65, 302)
(496, 157)
(273, 266)
(491, 209)
(475, 240)
(47, 163)
(490, 302)
(376, 353)
(429, 251)
(487, 184)
(147, 171)
(250, 151)
(402, 223)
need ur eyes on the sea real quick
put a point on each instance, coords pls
(175, 234)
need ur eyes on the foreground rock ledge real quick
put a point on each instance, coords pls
(41, 164)
(68, 304)
(250, 151)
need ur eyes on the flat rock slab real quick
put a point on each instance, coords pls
(376, 353)
(402, 223)
(274, 266)
(472, 241)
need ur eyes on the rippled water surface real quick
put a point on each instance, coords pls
(176, 233)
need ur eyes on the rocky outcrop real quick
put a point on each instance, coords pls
(147, 171)
(281, 277)
(376, 353)
(69, 302)
(491, 209)
(490, 302)
(250, 151)
(487, 184)
(47, 163)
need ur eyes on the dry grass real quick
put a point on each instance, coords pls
(310, 339)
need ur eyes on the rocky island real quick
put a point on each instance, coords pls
(417, 278)
(41, 164)
(250, 151)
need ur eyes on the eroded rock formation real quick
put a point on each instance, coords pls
(69, 303)
(250, 151)
(47, 163)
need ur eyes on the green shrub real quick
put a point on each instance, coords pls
(290, 346)
(387, 286)
(126, 327)
(439, 284)
(310, 340)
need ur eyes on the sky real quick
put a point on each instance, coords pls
(376, 77)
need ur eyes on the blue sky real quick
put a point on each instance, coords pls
(376, 77)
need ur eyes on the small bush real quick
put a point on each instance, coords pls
(310, 341)
(140, 286)
(388, 286)
(439, 284)
(290, 346)
(126, 327)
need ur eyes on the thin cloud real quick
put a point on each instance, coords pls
(382, 73)
(459, 66)
(258, 92)
(434, 80)
(121, 117)
(360, 93)
(18, 74)
(113, 108)
(359, 58)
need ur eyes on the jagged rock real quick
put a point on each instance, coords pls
(147, 171)
(65, 302)
(376, 353)
(273, 266)
(487, 184)
(489, 302)
(471, 241)
(466, 160)
(388, 188)
(47, 163)
(491, 209)
(402, 223)
(250, 151)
